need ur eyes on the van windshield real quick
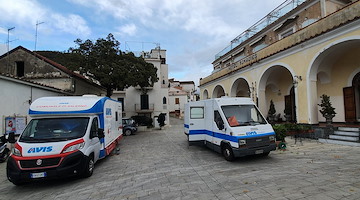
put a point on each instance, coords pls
(242, 115)
(53, 130)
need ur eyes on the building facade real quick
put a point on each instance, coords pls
(152, 101)
(27, 65)
(296, 53)
(180, 92)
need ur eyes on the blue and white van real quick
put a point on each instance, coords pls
(66, 137)
(231, 126)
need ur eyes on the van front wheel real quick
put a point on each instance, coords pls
(89, 167)
(228, 152)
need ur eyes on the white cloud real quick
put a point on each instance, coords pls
(72, 24)
(24, 14)
(127, 29)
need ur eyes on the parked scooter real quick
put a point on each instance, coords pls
(4, 150)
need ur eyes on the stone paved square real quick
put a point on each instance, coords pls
(159, 164)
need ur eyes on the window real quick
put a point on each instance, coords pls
(164, 100)
(122, 103)
(243, 115)
(177, 101)
(94, 128)
(197, 113)
(20, 69)
(286, 33)
(218, 120)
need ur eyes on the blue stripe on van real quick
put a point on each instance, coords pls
(225, 136)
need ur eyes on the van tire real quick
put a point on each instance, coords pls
(227, 152)
(128, 132)
(89, 166)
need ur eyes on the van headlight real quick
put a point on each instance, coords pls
(77, 145)
(16, 152)
(242, 142)
(272, 138)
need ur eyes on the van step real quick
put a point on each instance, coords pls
(346, 143)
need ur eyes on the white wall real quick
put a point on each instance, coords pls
(16, 98)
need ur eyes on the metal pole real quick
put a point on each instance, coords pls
(8, 49)
(36, 29)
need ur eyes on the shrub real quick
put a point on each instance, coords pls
(143, 120)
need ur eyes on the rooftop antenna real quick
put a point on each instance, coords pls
(8, 47)
(36, 30)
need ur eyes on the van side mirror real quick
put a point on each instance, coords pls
(101, 133)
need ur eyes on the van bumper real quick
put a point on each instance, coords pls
(71, 165)
(240, 152)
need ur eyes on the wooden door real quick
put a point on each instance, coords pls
(349, 104)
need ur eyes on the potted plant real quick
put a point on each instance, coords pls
(271, 112)
(327, 111)
(280, 133)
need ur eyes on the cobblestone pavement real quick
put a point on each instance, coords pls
(160, 165)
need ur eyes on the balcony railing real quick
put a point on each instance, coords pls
(144, 109)
(278, 12)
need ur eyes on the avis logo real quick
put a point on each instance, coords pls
(251, 133)
(40, 149)
(108, 111)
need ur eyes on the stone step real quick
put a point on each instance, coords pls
(346, 138)
(351, 129)
(347, 133)
(339, 142)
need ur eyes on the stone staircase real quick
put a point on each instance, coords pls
(348, 136)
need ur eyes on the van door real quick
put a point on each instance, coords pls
(196, 126)
(218, 129)
(94, 139)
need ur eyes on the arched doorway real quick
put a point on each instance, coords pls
(240, 88)
(218, 92)
(352, 100)
(276, 85)
(331, 74)
(290, 106)
(205, 94)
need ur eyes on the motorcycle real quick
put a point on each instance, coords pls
(4, 150)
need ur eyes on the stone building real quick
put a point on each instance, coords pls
(27, 65)
(296, 53)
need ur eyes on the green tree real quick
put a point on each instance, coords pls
(104, 61)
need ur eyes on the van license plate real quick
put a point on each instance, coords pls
(259, 151)
(38, 175)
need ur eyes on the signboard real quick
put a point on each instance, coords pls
(15, 124)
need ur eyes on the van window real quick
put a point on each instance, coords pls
(54, 129)
(218, 120)
(243, 115)
(94, 128)
(197, 112)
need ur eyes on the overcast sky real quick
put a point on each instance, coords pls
(192, 31)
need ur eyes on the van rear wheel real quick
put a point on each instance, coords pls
(228, 152)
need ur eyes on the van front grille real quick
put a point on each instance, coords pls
(39, 163)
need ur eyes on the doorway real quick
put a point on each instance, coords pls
(290, 104)
(352, 100)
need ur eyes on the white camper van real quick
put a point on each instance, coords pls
(231, 126)
(65, 137)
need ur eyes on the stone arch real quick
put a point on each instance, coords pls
(205, 94)
(275, 84)
(240, 88)
(218, 92)
(328, 74)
